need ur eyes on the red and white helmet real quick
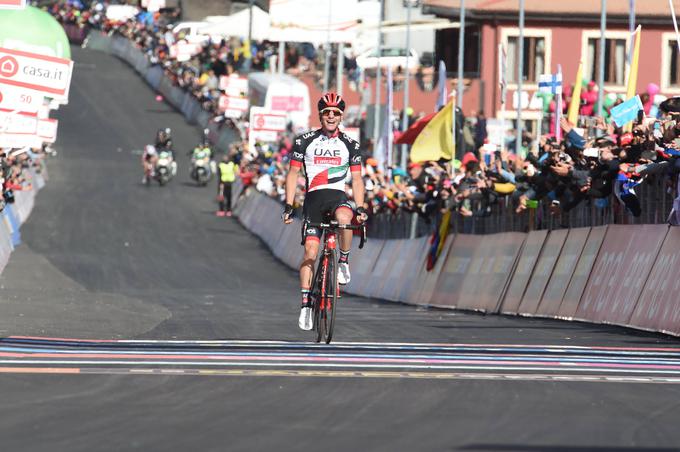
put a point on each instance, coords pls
(331, 101)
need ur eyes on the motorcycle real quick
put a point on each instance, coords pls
(166, 167)
(201, 170)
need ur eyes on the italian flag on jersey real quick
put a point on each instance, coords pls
(329, 176)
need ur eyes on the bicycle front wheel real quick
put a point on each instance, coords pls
(331, 295)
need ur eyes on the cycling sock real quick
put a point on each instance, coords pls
(344, 257)
(305, 297)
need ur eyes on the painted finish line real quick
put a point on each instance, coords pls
(341, 360)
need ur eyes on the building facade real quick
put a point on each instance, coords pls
(555, 33)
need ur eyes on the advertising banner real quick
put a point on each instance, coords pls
(233, 107)
(522, 274)
(448, 289)
(562, 273)
(622, 267)
(490, 271)
(265, 125)
(659, 306)
(426, 285)
(234, 86)
(577, 284)
(542, 272)
(21, 99)
(47, 75)
(47, 130)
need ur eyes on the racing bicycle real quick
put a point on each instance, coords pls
(325, 289)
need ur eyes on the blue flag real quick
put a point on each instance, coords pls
(623, 113)
(442, 95)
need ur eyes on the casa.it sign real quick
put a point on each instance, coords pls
(12, 4)
(48, 75)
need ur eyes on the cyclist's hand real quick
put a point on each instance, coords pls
(287, 215)
(362, 216)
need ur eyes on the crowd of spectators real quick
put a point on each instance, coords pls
(15, 170)
(588, 165)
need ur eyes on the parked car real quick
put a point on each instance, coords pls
(390, 56)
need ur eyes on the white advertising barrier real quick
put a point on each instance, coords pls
(388, 256)
(46, 75)
(21, 99)
(363, 262)
(414, 270)
(265, 125)
(24, 200)
(18, 129)
(234, 86)
(233, 107)
(183, 51)
(47, 130)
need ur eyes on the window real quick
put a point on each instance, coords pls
(537, 54)
(534, 58)
(673, 71)
(614, 60)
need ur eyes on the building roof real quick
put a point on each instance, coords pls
(563, 10)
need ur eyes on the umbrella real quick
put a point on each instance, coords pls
(412, 132)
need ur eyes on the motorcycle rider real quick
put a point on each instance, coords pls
(164, 143)
(202, 151)
(226, 175)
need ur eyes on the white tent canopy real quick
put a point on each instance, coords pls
(315, 21)
(237, 25)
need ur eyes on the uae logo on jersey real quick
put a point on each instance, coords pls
(329, 176)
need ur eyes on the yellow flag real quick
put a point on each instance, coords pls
(435, 141)
(575, 104)
(633, 73)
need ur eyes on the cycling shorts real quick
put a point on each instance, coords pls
(319, 205)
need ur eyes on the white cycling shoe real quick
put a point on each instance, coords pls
(305, 320)
(343, 273)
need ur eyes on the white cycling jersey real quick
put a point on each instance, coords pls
(326, 160)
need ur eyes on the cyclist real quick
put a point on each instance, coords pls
(149, 158)
(326, 154)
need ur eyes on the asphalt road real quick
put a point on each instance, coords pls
(179, 330)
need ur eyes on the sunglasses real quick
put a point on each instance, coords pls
(328, 112)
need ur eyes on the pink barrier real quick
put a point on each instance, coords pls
(533, 243)
(562, 273)
(621, 269)
(543, 270)
(577, 284)
(659, 306)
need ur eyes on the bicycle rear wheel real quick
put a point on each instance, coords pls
(331, 295)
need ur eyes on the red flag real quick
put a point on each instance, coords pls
(412, 132)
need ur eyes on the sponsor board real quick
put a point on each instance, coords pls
(533, 243)
(183, 51)
(622, 267)
(265, 125)
(48, 75)
(47, 130)
(235, 105)
(13, 122)
(21, 99)
(233, 85)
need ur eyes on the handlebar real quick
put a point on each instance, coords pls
(333, 225)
